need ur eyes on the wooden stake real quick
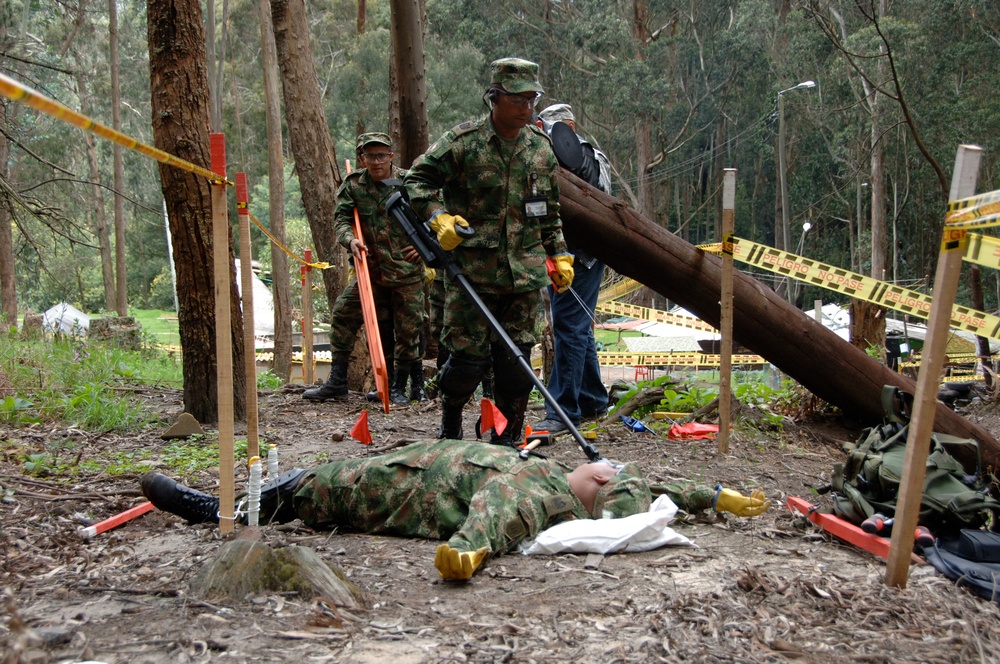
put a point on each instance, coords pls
(308, 365)
(726, 302)
(911, 482)
(223, 335)
(249, 329)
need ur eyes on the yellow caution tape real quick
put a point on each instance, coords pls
(978, 211)
(17, 92)
(983, 250)
(713, 248)
(318, 266)
(654, 315)
(619, 290)
(860, 287)
(626, 359)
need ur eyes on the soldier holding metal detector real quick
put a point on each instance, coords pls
(497, 175)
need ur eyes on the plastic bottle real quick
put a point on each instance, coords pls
(253, 503)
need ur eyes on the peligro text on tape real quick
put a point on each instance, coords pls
(859, 286)
(653, 315)
(625, 359)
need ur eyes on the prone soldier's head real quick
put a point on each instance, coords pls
(609, 491)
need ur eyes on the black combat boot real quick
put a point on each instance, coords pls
(335, 385)
(451, 422)
(197, 507)
(417, 381)
(513, 409)
(169, 496)
(373, 395)
(397, 391)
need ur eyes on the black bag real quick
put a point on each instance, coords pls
(972, 559)
(868, 483)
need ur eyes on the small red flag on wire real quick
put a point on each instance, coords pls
(359, 431)
(492, 418)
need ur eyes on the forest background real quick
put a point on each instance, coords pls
(673, 91)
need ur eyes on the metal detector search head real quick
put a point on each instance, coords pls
(566, 145)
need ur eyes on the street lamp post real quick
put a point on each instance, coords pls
(793, 285)
(782, 168)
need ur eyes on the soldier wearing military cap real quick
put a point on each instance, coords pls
(483, 500)
(497, 174)
(396, 275)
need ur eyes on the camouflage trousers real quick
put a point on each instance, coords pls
(400, 308)
(465, 331)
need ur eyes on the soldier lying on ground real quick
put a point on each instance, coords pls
(483, 499)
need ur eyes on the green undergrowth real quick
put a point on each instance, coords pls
(70, 381)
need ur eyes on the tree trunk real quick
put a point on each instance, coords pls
(179, 91)
(408, 55)
(8, 280)
(100, 218)
(817, 358)
(315, 159)
(282, 366)
(121, 289)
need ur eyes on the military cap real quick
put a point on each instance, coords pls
(625, 494)
(374, 137)
(558, 113)
(515, 76)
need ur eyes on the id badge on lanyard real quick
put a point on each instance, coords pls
(535, 206)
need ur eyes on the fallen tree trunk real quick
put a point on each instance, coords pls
(822, 362)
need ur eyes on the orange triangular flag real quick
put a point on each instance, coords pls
(492, 417)
(359, 431)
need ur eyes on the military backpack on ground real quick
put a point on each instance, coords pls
(868, 483)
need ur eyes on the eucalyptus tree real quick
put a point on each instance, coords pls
(180, 117)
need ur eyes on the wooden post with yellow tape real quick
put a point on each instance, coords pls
(949, 267)
(249, 329)
(726, 302)
(223, 334)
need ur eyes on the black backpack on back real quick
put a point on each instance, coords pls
(868, 483)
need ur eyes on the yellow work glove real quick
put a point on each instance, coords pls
(727, 500)
(561, 272)
(444, 225)
(430, 274)
(457, 565)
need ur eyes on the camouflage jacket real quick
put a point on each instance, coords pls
(381, 234)
(465, 173)
(471, 494)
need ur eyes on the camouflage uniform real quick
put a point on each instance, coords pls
(397, 285)
(473, 172)
(472, 495)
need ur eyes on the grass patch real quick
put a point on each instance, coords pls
(67, 380)
(159, 325)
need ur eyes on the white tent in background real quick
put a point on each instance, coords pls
(63, 318)
(263, 305)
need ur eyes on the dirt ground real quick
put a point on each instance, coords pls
(752, 590)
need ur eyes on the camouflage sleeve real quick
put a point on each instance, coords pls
(428, 176)
(689, 497)
(343, 215)
(497, 521)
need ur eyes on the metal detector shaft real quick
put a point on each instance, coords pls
(423, 240)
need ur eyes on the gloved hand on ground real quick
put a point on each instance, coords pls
(727, 500)
(458, 565)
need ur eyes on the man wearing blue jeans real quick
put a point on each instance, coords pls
(576, 382)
